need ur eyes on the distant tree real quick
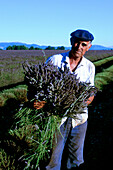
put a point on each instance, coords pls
(50, 48)
(31, 48)
(38, 48)
(14, 47)
(9, 48)
(61, 48)
(17, 47)
(23, 47)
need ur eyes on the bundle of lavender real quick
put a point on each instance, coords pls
(62, 94)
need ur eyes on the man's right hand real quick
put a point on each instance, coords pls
(39, 104)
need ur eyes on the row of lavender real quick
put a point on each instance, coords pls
(94, 55)
(11, 71)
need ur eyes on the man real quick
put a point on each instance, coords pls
(73, 130)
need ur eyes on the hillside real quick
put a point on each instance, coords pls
(4, 45)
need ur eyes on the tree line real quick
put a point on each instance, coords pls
(23, 47)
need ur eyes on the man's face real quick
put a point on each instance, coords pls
(79, 48)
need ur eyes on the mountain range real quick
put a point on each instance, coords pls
(4, 45)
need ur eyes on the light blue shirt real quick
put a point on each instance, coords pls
(85, 72)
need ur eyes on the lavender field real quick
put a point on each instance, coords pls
(11, 71)
(99, 138)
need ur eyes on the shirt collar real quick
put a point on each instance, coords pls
(65, 59)
(82, 62)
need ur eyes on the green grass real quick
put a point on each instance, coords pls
(103, 61)
(104, 78)
(18, 93)
(11, 76)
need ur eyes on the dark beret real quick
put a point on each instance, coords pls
(82, 35)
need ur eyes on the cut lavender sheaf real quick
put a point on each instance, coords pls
(61, 90)
(62, 94)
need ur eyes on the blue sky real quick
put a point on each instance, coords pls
(50, 22)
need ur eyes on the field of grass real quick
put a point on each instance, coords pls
(99, 136)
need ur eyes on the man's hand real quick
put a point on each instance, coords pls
(90, 99)
(39, 105)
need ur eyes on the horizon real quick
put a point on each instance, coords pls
(52, 45)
